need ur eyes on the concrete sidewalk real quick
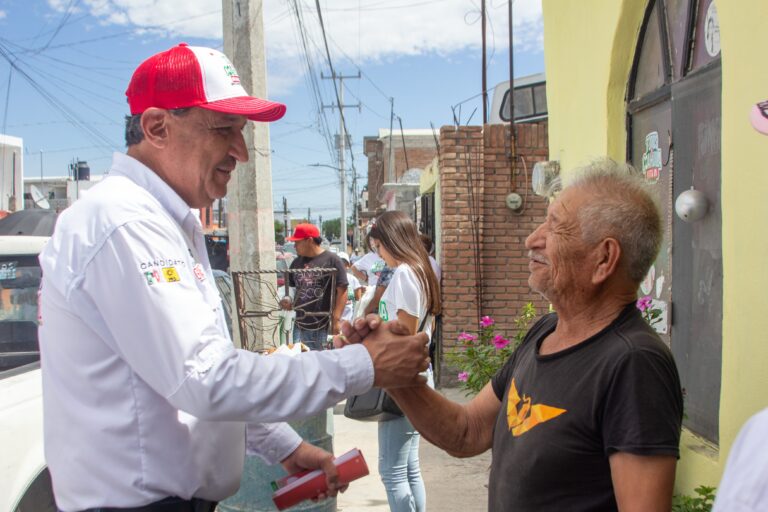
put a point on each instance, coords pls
(452, 484)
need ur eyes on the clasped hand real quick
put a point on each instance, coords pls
(398, 357)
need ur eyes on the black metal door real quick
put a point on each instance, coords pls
(697, 281)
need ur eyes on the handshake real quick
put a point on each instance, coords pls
(398, 357)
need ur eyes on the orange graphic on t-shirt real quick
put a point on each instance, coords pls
(527, 416)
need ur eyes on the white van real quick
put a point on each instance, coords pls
(25, 484)
(530, 100)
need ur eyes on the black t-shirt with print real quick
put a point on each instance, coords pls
(312, 301)
(564, 414)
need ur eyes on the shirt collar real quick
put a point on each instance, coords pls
(146, 178)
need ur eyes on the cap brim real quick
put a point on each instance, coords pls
(255, 109)
(759, 117)
(294, 238)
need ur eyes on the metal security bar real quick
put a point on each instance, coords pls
(257, 301)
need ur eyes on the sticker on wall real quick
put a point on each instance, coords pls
(661, 322)
(712, 31)
(646, 286)
(652, 158)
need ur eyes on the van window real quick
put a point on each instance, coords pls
(530, 101)
(19, 283)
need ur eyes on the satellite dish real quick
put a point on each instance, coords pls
(38, 198)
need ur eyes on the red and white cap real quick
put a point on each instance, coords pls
(759, 117)
(194, 76)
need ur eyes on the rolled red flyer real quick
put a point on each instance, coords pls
(306, 485)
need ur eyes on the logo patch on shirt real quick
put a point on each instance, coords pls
(521, 420)
(199, 272)
(383, 311)
(171, 275)
(153, 277)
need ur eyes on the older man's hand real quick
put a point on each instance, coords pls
(357, 330)
(398, 357)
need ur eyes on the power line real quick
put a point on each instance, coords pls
(53, 101)
(311, 79)
(333, 74)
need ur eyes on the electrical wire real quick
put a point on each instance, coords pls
(333, 74)
(311, 79)
(68, 114)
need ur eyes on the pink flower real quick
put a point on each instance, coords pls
(500, 342)
(467, 337)
(486, 321)
(644, 303)
(463, 376)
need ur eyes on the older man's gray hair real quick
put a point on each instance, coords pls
(133, 132)
(622, 207)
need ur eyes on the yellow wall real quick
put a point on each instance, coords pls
(589, 46)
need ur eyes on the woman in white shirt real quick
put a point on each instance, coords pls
(412, 298)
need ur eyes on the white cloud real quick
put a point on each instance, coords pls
(3, 14)
(366, 30)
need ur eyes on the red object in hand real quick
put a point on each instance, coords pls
(306, 485)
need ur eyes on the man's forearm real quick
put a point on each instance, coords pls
(446, 424)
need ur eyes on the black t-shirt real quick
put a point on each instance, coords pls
(564, 414)
(312, 301)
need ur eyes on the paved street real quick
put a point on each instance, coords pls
(452, 484)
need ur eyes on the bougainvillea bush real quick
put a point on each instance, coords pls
(483, 352)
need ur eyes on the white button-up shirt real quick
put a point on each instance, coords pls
(144, 394)
(744, 487)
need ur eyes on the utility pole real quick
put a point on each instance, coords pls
(285, 217)
(342, 144)
(309, 215)
(251, 225)
(390, 178)
(485, 81)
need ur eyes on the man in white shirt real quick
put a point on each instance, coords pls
(145, 397)
(744, 487)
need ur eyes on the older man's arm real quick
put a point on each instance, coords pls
(643, 483)
(461, 430)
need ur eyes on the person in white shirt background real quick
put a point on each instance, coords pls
(744, 487)
(355, 289)
(145, 398)
(368, 268)
(412, 298)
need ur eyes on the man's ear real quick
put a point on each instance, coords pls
(154, 123)
(608, 254)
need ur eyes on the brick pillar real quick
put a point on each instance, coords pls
(481, 238)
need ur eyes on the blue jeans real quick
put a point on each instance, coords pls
(314, 339)
(399, 464)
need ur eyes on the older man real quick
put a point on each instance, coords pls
(145, 397)
(586, 414)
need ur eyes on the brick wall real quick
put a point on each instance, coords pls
(482, 240)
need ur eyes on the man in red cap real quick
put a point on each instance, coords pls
(146, 399)
(316, 315)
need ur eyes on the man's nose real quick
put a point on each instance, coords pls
(238, 150)
(534, 240)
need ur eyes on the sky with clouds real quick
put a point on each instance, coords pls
(73, 58)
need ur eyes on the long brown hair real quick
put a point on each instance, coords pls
(397, 233)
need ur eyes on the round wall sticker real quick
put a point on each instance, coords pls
(712, 31)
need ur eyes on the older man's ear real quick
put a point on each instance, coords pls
(608, 256)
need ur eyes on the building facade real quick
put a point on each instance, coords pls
(668, 86)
